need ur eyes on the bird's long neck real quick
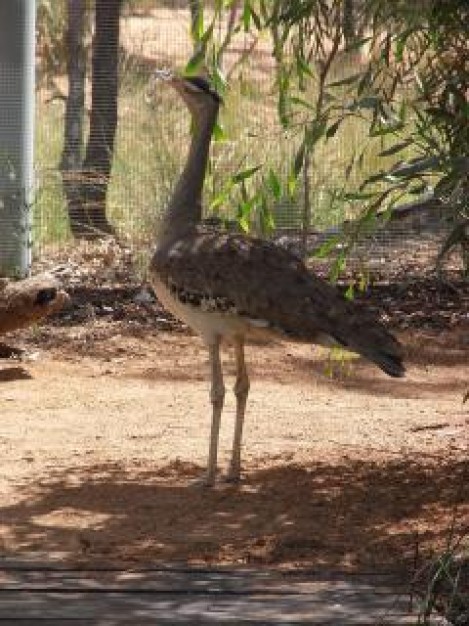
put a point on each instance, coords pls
(185, 206)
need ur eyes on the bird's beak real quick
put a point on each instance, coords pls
(163, 74)
(168, 76)
(159, 75)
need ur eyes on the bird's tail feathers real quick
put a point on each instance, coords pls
(375, 343)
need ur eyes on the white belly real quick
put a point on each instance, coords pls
(208, 324)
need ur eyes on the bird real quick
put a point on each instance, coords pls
(230, 286)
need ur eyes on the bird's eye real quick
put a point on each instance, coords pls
(193, 88)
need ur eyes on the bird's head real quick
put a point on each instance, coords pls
(196, 91)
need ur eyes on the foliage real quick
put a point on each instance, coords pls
(248, 189)
(411, 90)
(365, 117)
(443, 589)
(409, 86)
(427, 48)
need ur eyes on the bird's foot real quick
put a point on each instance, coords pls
(206, 481)
(233, 475)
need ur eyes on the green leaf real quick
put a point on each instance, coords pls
(350, 293)
(283, 101)
(247, 15)
(369, 216)
(375, 178)
(456, 237)
(398, 147)
(303, 67)
(386, 49)
(418, 190)
(268, 221)
(299, 160)
(314, 133)
(349, 80)
(302, 102)
(365, 81)
(266, 217)
(415, 167)
(244, 223)
(244, 215)
(218, 79)
(332, 130)
(401, 42)
(245, 174)
(363, 282)
(327, 247)
(367, 102)
(252, 15)
(218, 132)
(292, 184)
(338, 267)
(386, 129)
(218, 201)
(195, 63)
(352, 196)
(356, 45)
(198, 24)
(274, 185)
(207, 35)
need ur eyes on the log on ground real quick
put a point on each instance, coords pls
(26, 302)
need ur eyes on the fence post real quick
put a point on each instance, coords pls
(17, 105)
(306, 215)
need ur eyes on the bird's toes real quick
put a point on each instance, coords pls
(233, 476)
(206, 481)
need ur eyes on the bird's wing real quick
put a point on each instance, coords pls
(252, 277)
(259, 280)
(247, 276)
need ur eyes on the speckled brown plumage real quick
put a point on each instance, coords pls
(257, 279)
(229, 286)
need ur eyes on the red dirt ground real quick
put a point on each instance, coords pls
(105, 427)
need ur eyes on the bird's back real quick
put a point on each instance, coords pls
(262, 285)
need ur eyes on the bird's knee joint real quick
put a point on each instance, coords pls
(241, 387)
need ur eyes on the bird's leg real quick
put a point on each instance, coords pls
(241, 390)
(217, 396)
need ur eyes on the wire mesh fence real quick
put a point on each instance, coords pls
(153, 134)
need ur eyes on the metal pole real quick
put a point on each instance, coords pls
(17, 99)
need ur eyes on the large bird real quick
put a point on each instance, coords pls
(229, 286)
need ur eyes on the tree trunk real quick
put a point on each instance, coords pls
(72, 153)
(103, 121)
(86, 181)
(349, 22)
(25, 302)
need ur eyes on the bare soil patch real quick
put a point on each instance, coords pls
(105, 427)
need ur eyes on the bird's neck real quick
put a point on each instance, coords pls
(185, 206)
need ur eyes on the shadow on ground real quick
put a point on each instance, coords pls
(13, 372)
(355, 515)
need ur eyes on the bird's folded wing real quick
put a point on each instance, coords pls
(253, 278)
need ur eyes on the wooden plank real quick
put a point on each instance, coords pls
(190, 609)
(51, 595)
(244, 581)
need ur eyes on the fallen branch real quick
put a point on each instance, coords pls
(25, 302)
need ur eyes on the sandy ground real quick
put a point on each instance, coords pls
(105, 428)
